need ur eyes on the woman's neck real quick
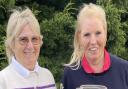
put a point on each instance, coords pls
(97, 64)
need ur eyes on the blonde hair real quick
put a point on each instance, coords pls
(17, 21)
(87, 11)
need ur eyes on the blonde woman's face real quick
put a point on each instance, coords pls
(27, 47)
(92, 38)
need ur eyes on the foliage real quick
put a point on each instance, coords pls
(120, 3)
(125, 28)
(57, 32)
(57, 19)
(3, 62)
(116, 34)
(58, 35)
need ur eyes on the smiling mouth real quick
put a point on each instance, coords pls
(93, 49)
(29, 53)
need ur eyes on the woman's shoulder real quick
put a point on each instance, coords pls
(118, 60)
(72, 69)
(46, 75)
(6, 70)
(2, 81)
(3, 75)
(45, 71)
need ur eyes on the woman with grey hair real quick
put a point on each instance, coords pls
(91, 64)
(23, 44)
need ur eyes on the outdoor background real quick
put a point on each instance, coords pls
(57, 21)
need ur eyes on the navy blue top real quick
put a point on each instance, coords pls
(114, 78)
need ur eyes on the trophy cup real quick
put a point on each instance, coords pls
(92, 87)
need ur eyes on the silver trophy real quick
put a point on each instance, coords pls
(92, 87)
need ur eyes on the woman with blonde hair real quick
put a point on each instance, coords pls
(91, 64)
(23, 44)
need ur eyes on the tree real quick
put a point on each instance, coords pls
(116, 34)
(58, 35)
(57, 21)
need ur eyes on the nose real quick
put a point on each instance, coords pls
(29, 44)
(93, 40)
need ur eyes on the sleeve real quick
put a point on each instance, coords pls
(2, 82)
(51, 79)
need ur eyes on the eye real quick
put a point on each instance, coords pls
(98, 33)
(36, 40)
(87, 34)
(23, 39)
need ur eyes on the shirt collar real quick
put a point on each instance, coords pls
(106, 66)
(21, 69)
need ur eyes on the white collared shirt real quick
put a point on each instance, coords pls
(16, 76)
(21, 69)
